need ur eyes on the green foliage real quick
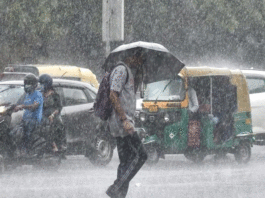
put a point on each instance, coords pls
(190, 28)
(30, 27)
(231, 15)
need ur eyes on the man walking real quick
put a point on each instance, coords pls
(123, 81)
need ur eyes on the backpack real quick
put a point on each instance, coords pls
(102, 105)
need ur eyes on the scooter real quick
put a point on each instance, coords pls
(39, 154)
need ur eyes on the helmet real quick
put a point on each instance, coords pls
(46, 81)
(30, 83)
(31, 79)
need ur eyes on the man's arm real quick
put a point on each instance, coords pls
(114, 98)
(127, 125)
(118, 80)
(194, 100)
(32, 107)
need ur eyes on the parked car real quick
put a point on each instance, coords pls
(256, 86)
(86, 134)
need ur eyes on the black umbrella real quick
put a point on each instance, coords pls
(160, 64)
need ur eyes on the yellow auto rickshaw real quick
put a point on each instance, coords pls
(221, 124)
(57, 71)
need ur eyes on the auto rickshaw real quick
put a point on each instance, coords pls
(56, 71)
(222, 122)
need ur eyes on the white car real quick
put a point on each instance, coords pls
(256, 86)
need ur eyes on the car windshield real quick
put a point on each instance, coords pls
(165, 90)
(10, 94)
(13, 76)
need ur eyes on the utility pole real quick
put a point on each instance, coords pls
(112, 22)
(107, 27)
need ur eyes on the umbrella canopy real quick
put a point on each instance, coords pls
(160, 64)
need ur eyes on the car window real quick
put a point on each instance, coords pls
(256, 85)
(74, 96)
(92, 94)
(11, 94)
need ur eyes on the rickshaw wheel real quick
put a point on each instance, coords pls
(243, 153)
(152, 156)
(197, 157)
(3, 157)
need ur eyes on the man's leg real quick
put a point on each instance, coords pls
(60, 139)
(132, 157)
(26, 132)
(140, 157)
(123, 153)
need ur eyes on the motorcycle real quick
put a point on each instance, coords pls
(13, 153)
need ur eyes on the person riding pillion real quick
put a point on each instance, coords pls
(32, 105)
(52, 124)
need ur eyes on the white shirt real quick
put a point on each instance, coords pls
(193, 100)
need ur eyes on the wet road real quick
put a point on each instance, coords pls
(170, 178)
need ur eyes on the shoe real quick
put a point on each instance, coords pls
(112, 194)
(63, 157)
(118, 195)
(54, 147)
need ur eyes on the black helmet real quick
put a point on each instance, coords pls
(46, 80)
(30, 83)
(31, 79)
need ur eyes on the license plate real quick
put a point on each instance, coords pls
(153, 108)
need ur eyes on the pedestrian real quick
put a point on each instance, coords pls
(33, 106)
(123, 82)
(55, 135)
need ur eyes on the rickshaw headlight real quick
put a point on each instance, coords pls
(137, 114)
(166, 117)
(142, 117)
(2, 109)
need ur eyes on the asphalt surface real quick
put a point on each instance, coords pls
(174, 177)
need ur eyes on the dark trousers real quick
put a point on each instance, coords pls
(54, 132)
(29, 128)
(132, 157)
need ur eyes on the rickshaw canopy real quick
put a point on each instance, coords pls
(59, 71)
(236, 78)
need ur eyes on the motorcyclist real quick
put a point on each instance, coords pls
(52, 124)
(32, 105)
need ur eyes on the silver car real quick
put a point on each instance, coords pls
(86, 134)
(256, 86)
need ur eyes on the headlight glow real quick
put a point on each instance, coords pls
(166, 117)
(2, 109)
(142, 117)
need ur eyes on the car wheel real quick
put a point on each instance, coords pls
(3, 157)
(2, 165)
(103, 152)
(243, 153)
(152, 156)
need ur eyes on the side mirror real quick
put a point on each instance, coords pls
(142, 90)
